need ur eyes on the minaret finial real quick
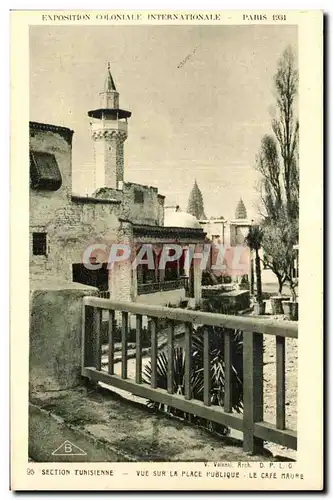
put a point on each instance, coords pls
(109, 66)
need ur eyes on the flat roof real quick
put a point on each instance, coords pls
(117, 113)
(65, 132)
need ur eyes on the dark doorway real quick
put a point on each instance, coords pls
(92, 277)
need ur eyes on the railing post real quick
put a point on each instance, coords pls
(188, 360)
(227, 371)
(252, 389)
(280, 383)
(97, 331)
(124, 337)
(171, 328)
(153, 337)
(112, 333)
(88, 337)
(206, 368)
(138, 347)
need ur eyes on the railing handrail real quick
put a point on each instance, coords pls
(175, 280)
(160, 283)
(164, 285)
(288, 329)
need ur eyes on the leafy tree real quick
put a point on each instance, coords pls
(277, 163)
(278, 242)
(195, 203)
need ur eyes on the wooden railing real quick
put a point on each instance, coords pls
(163, 286)
(250, 422)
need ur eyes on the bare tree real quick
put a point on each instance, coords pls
(277, 163)
(268, 164)
(285, 127)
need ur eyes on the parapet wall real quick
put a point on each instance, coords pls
(55, 335)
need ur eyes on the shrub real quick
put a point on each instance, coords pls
(217, 372)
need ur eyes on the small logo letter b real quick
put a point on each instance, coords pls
(68, 448)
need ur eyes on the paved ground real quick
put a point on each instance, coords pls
(270, 389)
(139, 434)
(273, 288)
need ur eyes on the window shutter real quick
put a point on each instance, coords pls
(44, 171)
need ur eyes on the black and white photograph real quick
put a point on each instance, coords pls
(164, 179)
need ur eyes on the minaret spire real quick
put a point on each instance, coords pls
(109, 82)
(109, 95)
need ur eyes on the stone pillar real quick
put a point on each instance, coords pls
(197, 277)
(197, 284)
(120, 274)
(55, 335)
(227, 234)
(134, 285)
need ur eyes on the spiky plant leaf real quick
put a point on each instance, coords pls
(217, 373)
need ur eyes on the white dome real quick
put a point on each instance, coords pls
(181, 219)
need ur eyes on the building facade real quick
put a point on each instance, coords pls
(66, 229)
(231, 235)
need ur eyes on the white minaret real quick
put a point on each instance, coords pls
(109, 132)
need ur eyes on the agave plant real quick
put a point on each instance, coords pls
(178, 379)
(217, 373)
(216, 341)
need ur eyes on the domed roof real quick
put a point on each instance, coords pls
(181, 219)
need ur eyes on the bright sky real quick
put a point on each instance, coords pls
(200, 97)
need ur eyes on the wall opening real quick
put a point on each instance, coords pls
(98, 278)
(138, 196)
(39, 243)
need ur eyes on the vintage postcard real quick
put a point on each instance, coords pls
(166, 250)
